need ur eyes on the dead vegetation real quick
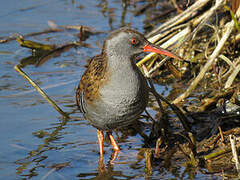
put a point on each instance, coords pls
(206, 36)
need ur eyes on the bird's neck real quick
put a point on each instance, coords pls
(124, 74)
(120, 63)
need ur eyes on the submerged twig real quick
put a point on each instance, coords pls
(44, 95)
(30, 35)
(34, 45)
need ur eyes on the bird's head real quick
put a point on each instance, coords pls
(128, 42)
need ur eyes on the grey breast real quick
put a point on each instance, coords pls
(121, 100)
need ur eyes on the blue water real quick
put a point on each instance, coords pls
(34, 137)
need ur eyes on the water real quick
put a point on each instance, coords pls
(34, 137)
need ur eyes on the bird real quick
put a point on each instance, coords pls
(113, 92)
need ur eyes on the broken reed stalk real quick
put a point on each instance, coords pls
(198, 23)
(230, 70)
(184, 16)
(228, 30)
(185, 33)
(234, 152)
(44, 95)
(232, 77)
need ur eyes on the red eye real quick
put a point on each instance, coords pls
(134, 41)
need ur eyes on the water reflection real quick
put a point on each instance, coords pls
(132, 162)
(105, 172)
(34, 157)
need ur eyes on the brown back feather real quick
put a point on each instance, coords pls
(94, 76)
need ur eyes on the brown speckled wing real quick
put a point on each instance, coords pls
(92, 79)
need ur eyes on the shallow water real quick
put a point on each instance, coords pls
(34, 137)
